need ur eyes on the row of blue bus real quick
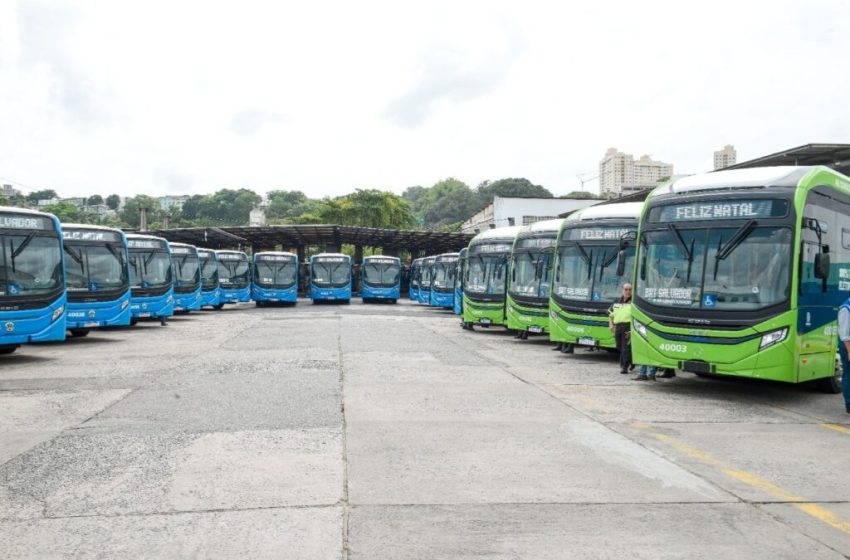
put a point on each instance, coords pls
(59, 278)
(434, 280)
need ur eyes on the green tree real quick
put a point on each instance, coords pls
(581, 194)
(288, 206)
(364, 207)
(94, 199)
(4, 201)
(449, 201)
(67, 212)
(45, 194)
(132, 207)
(113, 201)
(517, 187)
(191, 206)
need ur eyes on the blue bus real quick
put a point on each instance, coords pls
(187, 277)
(442, 280)
(32, 278)
(415, 272)
(380, 278)
(210, 289)
(425, 280)
(151, 278)
(330, 277)
(97, 278)
(458, 281)
(275, 278)
(234, 276)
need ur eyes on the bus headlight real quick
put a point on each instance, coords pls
(640, 328)
(125, 303)
(58, 312)
(772, 338)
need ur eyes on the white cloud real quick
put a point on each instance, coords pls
(159, 97)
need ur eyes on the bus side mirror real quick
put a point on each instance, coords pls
(621, 262)
(822, 265)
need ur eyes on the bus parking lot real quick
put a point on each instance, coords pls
(387, 431)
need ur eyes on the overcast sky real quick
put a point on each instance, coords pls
(188, 97)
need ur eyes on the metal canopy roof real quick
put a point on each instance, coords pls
(835, 156)
(267, 237)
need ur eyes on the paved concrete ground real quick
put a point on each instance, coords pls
(388, 432)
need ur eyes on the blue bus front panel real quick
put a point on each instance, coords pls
(413, 294)
(35, 325)
(371, 292)
(188, 302)
(235, 295)
(330, 294)
(443, 299)
(115, 313)
(288, 295)
(211, 298)
(153, 306)
(424, 296)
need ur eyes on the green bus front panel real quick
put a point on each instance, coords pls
(524, 318)
(795, 359)
(580, 328)
(483, 313)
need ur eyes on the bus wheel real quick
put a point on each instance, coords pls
(219, 306)
(831, 385)
(393, 301)
(79, 333)
(7, 349)
(258, 303)
(134, 320)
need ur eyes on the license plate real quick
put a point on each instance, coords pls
(144, 314)
(485, 320)
(535, 329)
(584, 341)
(89, 325)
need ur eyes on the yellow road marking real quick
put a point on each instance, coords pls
(837, 428)
(818, 512)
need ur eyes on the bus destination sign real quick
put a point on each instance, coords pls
(491, 248)
(231, 257)
(12, 221)
(90, 235)
(381, 261)
(721, 210)
(596, 234)
(145, 244)
(536, 243)
(331, 259)
(275, 258)
(182, 250)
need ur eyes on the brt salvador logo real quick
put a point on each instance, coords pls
(10, 326)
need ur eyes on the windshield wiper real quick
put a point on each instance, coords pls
(115, 253)
(737, 238)
(607, 263)
(22, 246)
(586, 258)
(689, 253)
(74, 254)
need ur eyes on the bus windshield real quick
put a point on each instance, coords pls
(588, 272)
(485, 274)
(442, 275)
(381, 274)
(414, 276)
(425, 276)
(30, 265)
(233, 272)
(188, 271)
(729, 267)
(532, 274)
(336, 273)
(150, 268)
(274, 273)
(209, 271)
(92, 268)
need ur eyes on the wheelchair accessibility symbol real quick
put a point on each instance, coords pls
(710, 300)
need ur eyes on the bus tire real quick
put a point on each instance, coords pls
(134, 320)
(258, 303)
(832, 384)
(79, 333)
(393, 301)
(7, 349)
(219, 306)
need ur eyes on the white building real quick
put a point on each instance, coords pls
(725, 157)
(168, 202)
(618, 170)
(515, 211)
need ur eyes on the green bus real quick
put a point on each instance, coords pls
(593, 259)
(486, 277)
(530, 278)
(741, 273)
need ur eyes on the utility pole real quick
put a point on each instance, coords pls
(143, 219)
(582, 180)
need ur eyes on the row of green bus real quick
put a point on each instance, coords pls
(736, 273)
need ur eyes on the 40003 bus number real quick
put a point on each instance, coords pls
(680, 348)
